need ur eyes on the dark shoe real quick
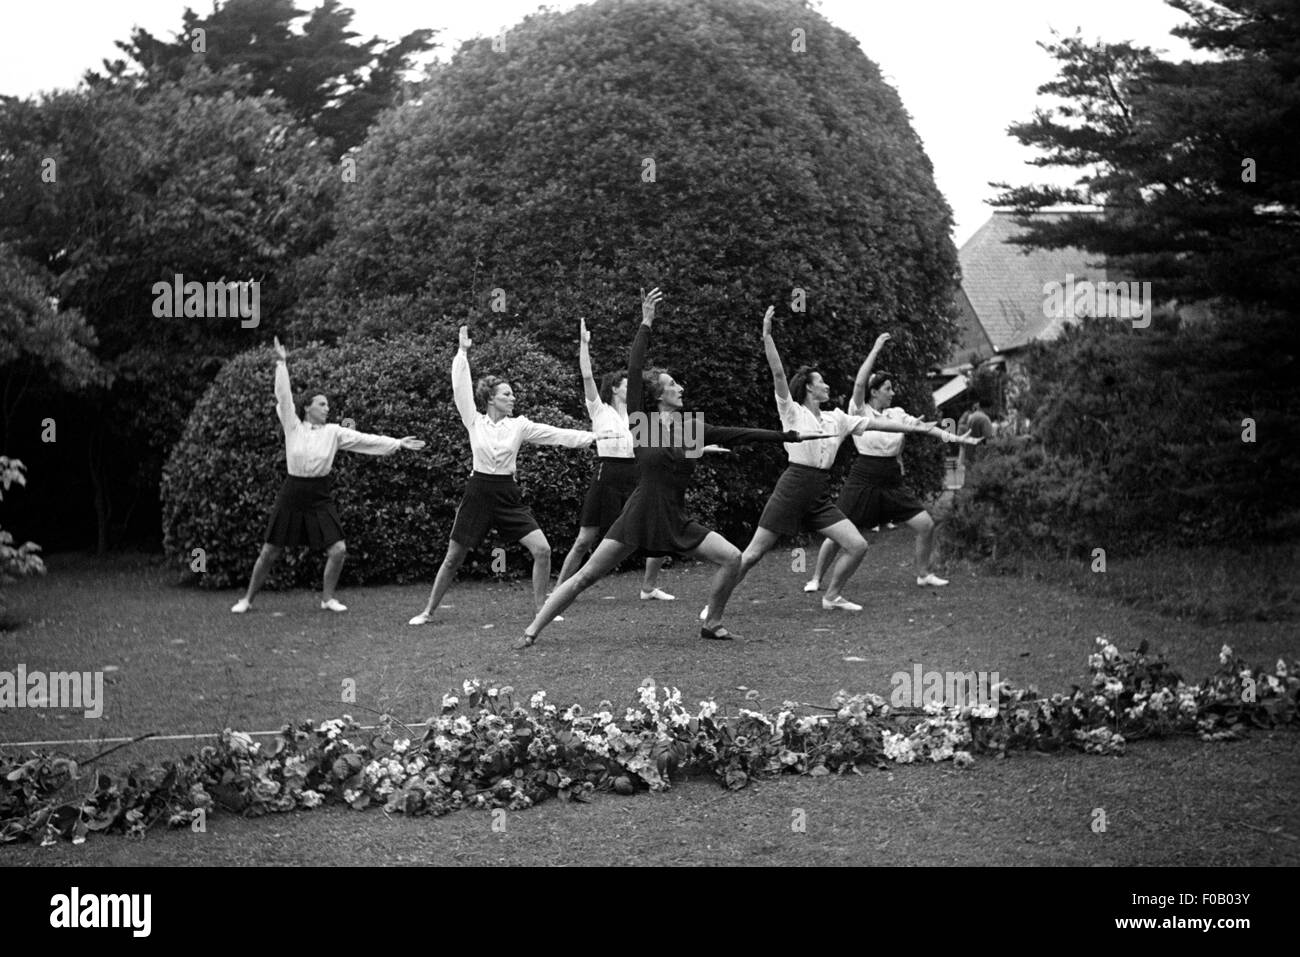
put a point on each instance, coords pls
(527, 641)
(717, 634)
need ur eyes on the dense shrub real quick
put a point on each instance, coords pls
(1175, 435)
(222, 477)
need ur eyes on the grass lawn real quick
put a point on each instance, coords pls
(185, 664)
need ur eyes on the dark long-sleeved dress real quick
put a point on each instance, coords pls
(654, 519)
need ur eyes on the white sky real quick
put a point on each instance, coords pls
(965, 69)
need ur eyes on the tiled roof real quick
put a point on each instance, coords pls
(1004, 282)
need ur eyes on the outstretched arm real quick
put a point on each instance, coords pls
(584, 364)
(774, 357)
(462, 383)
(864, 371)
(283, 391)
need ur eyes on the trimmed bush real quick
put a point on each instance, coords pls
(222, 477)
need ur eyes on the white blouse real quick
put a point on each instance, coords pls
(309, 450)
(606, 418)
(886, 444)
(820, 453)
(496, 444)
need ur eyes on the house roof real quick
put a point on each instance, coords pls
(1004, 282)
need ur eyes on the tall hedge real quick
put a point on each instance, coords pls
(782, 160)
(1173, 434)
(222, 477)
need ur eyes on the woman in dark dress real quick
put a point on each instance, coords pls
(654, 519)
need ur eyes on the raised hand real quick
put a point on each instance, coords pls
(279, 350)
(648, 303)
(880, 341)
(412, 443)
(465, 340)
(767, 322)
(584, 336)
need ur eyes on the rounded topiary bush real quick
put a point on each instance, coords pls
(222, 477)
(737, 153)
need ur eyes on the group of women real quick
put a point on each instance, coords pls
(637, 498)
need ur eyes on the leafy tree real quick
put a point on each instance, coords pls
(734, 153)
(23, 560)
(1195, 162)
(111, 191)
(327, 80)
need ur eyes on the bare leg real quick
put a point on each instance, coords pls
(446, 575)
(536, 543)
(726, 556)
(605, 558)
(854, 546)
(587, 538)
(261, 568)
(335, 557)
(825, 555)
(923, 525)
(652, 568)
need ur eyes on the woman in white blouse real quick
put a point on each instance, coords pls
(492, 499)
(873, 492)
(801, 500)
(616, 469)
(305, 513)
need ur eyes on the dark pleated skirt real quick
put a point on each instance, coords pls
(492, 501)
(873, 493)
(612, 485)
(305, 514)
(654, 521)
(801, 501)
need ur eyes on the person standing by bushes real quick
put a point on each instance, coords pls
(980, 427)
(616, 470)
(492, 499)
(305, 513)
(873, 492)
(654, 519)
(802, 499)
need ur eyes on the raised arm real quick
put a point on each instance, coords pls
(283, 391)
(864, 371)
(462, 384)
(584, 364)
(640, 345)
(774, 357)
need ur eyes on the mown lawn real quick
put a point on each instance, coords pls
(184, 664)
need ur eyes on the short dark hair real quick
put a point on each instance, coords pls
(486, 387)
(877, 379)
(608, 383)
(651, 388)
(305, 399)
(799, 382)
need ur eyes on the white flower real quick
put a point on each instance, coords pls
(492, 692)
(537, 700)
(449, 701)
(1225, 654)
(962, 759)
(507, 690)
(984, 711)
(311, 798)
(470, 685)
(707, 709)
(1281, 668)
(1114, 686)
(574, 712)
(461, 726)
(400, 745)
